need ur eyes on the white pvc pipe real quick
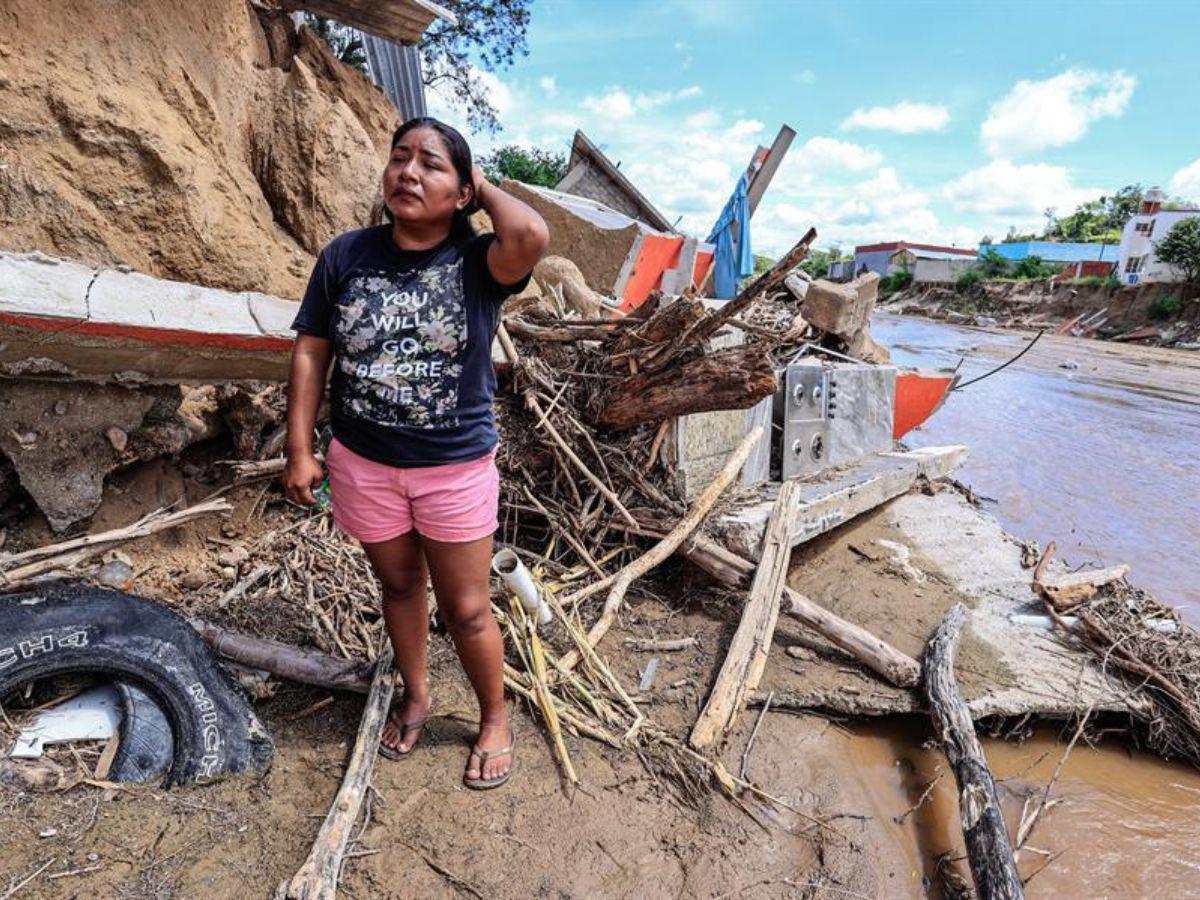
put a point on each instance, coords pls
(517, 579)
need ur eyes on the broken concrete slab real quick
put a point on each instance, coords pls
(400, 21)
(797, 283)
(594, 237)
(60, 319)
(835, 496)
(841, 309)
(1004, 668)
(39, 285)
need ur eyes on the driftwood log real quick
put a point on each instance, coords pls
(989, 849)
(669, 321)
(286, 661)
(733, 570)
(733, 378)
(747, 655)
(317, 879)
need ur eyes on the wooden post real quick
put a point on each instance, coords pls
(747, 656)
(989, 849)
(762, 178)
(317, 879)
(733, 570)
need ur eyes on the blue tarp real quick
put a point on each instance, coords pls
(731, 265)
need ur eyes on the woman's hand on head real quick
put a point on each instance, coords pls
(301, 474)
(479, 183)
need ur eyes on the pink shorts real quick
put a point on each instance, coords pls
(374, 502)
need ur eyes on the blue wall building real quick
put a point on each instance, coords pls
(1052, 252)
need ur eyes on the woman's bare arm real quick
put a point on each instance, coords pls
(521, 234)
(306, 387)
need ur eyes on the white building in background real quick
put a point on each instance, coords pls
(1137, 262)
(932, 266)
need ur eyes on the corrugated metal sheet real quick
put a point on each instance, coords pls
(396, 69)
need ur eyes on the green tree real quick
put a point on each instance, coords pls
(817, 262)
(992, 264)
(491, 32)
(1180, 249)
(343, 40)
(1032, 267)
(531, 166)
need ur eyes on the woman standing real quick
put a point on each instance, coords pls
(406, 313)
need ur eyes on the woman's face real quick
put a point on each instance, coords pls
(420, 183)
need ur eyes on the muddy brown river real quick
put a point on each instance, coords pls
(1101, 457)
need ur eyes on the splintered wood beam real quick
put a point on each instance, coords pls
(747, 655)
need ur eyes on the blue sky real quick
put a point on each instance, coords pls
(921, 122)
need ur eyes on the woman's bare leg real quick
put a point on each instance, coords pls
(460, 582)
(399, 565)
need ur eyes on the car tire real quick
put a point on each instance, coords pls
(65, 628)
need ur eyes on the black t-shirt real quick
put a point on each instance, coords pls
(411, 330)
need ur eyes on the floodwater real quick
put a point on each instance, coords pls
(1103, 458)
(1126, 825)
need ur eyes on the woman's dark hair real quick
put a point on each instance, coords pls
(460, 157)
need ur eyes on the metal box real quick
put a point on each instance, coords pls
(833, 412)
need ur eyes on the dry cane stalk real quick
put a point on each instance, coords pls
(661, 550)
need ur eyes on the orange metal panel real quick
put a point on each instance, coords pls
(704, 261)
(918, 396)
(656, 254)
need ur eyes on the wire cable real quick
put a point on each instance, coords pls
(1028, 347)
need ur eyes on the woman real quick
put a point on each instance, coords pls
(406, 313)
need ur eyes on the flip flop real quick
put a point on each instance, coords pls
(390, 753)
(488, 784)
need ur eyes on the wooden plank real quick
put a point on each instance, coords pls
(837, 499)
(762, 178)
(747, 656)
(734, 571)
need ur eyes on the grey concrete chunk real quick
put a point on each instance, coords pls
(139, 300)
(36, 285)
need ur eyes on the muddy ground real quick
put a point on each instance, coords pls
(622, 833)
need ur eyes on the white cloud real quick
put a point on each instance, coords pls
(1039, 114)
(613, 104)
(904, 117)
(820, 154)
(808, 76)
(1007, 193)
(706, 118)
(548, 85)
(616, 103)
(881, 207)
(1186, 182)
(744, 128)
